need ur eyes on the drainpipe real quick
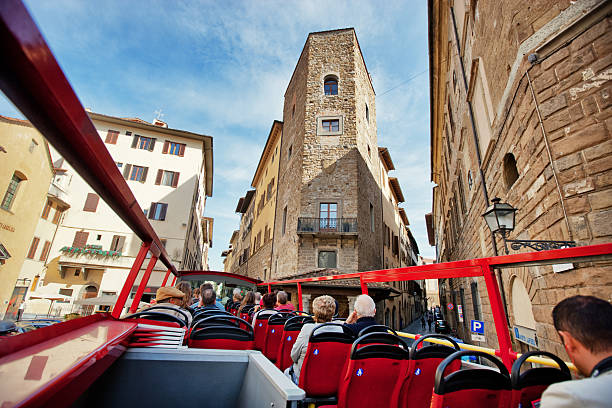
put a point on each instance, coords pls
(479, 158)
(550, 159)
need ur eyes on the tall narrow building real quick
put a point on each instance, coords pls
(329, 194)
(326, 181)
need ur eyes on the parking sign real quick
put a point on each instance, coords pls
(477, 326)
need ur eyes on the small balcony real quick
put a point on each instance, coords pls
(324, 226)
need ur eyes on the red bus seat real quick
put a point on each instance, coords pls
(157, 313)
(471, 388)
(261, 328)
(527, 388)
(325, 361)
(416, 388)
(376, 328)
(373, 370)
(246, 314)
(292, 328)
(222, 332)
(274, 332)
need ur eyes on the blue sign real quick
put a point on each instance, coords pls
(477, 326)
(359, 372)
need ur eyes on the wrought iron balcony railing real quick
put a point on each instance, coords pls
(327, 225)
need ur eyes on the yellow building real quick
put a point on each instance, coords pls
(26, 170)
(265, 180)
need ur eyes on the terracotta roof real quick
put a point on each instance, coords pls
(403, 216)
(383, 152)
(137, 120)
(396, 189)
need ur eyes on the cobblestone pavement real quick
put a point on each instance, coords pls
(415, 328)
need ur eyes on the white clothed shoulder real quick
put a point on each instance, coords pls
(589, 392)
(263, 312)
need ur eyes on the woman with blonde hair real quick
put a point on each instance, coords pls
(323, 309)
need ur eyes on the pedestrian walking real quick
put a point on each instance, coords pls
(430, 321)
(422, 322)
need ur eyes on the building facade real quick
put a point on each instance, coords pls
(520, 110)
(26, 170)
(170, 173)
(327, 204)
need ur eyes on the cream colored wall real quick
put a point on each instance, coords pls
(18, 225)
(266, 216)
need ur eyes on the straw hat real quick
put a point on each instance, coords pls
(168, 292)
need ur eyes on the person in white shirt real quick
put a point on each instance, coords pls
(584, 324)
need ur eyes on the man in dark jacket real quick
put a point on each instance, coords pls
(363, 314)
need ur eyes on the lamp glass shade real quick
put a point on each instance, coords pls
(500, 217)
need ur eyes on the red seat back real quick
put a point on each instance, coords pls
(261, 328)
(292, 328)
(373, 370)
(274, 333)
(325, 361)
(416, 388)
(527, 387)
(473, 388)
(222, 333)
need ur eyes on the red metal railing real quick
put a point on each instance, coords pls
(483, 267)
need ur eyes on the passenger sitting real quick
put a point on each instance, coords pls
(195, 297)
(363, 314)
(584, 324)
(269, 301)
(281, 302)
(323, 308)
(208, 298)
(203, 287)
(249, 300)
(174, 298)
(237, 295)
(185, 287)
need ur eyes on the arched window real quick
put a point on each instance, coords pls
(394, 317)
(521, 305)
(511, 173)
(330, 85)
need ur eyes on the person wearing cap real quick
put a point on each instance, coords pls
(174, 298)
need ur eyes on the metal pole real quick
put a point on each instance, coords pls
(499, 316)
(364, 286)
(129, 282)
(173, 281)
(299, 287)
(143, 284)
(166, 278)
(269, 288)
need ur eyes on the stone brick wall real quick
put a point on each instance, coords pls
(569, 198)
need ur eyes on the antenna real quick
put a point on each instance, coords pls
(159, 115)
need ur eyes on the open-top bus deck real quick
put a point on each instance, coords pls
(111, 359)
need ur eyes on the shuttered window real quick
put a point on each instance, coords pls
(56, 216)
(46, 210)
(136, 173)
(33, 247)
(143, 143)
(111, 136)
(80, 239)
(176, 149)
(91, 203)
(117, 243)
(167, 178)
(45, 251)
(158, 211)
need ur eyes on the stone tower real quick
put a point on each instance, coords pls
(328, 212)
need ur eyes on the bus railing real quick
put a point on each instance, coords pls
(463, 346)
(480, 267)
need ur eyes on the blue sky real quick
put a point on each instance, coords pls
(221, 68)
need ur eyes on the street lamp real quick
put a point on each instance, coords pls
(500, 218)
